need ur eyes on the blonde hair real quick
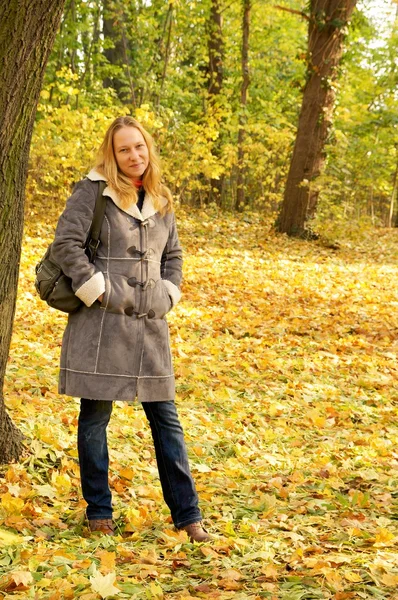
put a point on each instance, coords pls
(106, 165)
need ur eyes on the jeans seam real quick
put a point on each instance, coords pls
(161, 451)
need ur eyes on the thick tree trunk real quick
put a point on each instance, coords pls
(328, 21)
(27, 32)
(240, 190)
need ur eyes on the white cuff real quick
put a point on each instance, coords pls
(173, 291)
(94, 287)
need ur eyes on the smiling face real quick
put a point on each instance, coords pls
(131, 152)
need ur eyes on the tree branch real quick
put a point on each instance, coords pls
(291, 10)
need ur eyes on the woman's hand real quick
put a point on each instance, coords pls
(100, 298)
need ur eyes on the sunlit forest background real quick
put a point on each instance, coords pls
(177, 67)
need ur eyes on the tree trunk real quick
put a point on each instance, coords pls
(169, 22)
(216, 49)
(27, 32)
(128, 66)
(328, 21)
(394, 194)
(114, 55)
(216, 76)
(240, 190)
(90, 45)
(72, 52)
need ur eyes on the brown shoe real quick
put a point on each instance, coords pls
(197, 533)
(103, 525)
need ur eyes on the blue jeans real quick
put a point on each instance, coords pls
(175, 477)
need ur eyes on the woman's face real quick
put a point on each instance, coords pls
(131, 152)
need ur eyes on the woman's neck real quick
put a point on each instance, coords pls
(137, 183)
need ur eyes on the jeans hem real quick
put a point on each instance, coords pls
(197, 519)
(95, 517)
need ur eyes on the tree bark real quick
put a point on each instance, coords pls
(216, 49)
(216, 77)
(27, 32)
(90, 45)
(169, 23)
(394, 194)
(328, 21)
(114, 55)
(240, 190)
(128, 66)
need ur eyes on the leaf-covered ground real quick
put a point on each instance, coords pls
(286, 363)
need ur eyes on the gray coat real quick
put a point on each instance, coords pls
(118, 349)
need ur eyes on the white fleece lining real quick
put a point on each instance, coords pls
(148, 209)
(173, 291)
(94, 287)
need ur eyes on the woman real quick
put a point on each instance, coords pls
(116, 346)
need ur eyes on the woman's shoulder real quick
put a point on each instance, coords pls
(90, 182)
(84, 186)
(83, 196)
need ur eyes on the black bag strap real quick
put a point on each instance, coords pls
(98, 217)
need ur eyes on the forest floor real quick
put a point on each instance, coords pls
(286, 362)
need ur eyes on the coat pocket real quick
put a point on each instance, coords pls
(159, 301)
(107, 293)
(120, 295)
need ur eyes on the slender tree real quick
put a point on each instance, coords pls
(240, 190)
(327, 26)
(115, 48)
(27, 32)
(216, 49)
(394, 194)
(169, 22)
(215, 81)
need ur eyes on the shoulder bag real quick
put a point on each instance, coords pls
(52, 285)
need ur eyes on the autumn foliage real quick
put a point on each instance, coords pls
(286, 363)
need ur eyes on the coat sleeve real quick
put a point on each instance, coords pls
(68, 247)
(171, 264)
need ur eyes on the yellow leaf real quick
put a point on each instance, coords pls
(383, 537)
(390, 580)
(127, 474)
(297, 477)
(156, 591)
(208, 551)
(317, 419)
(45, 582)
(270, 571)
(231, 575)
(108, 560)
(7, 538)
(149, 558)
(276, 410)
(62, 483)
(47, 435)
(173, 538)
(353, 577)
(333, 578)
(12, 506)
(103, 584)
(22, 578)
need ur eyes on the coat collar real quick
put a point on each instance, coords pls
(148, 209)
